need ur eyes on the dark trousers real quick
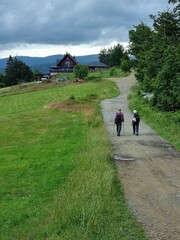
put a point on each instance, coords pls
(136, 128)
(118, 128)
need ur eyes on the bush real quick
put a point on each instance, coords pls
(112, 72)
(126, 65)
(81, 71)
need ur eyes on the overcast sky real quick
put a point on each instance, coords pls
(80, 27)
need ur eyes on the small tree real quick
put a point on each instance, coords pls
(81, 71)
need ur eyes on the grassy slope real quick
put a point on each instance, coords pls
(57, 179)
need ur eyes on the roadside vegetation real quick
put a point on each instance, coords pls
(157, 69)
(157, 53)
(57, 177)
(166, 124)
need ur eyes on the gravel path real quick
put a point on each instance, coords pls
(148, 167)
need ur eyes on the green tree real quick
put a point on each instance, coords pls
(2, 80)
(140, 39)
(126, 63)
(104, 56)
(116, 56)
(81, 71)
(166, 26)
(166, 94)
(177, 7)
(112, 56)
(17, 72)
(157, 52)
(10, 72)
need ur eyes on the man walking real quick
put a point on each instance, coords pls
(118, 120)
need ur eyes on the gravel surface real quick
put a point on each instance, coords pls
(148, 167)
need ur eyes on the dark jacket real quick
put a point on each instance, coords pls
(136, 118)
(119, 117)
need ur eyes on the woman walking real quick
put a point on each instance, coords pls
(135, 123)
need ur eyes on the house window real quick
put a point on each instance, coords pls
(67, 63)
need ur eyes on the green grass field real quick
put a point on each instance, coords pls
(57, 179)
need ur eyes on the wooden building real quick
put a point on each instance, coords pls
(66, 64)
(97, 66)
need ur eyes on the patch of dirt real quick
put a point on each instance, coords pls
(72, 106)
(152, 180)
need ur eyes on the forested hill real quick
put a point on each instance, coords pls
(43, 63)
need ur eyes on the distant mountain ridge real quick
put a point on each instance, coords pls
(43, 63)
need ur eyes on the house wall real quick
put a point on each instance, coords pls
(67, 63)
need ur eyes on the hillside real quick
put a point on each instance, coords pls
(43, 63)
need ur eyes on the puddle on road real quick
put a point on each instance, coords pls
(123, 158)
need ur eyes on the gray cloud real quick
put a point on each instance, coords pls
(73, 21)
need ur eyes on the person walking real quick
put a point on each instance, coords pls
(135, 123)
(118, 120)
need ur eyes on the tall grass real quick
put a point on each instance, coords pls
(57, 178)
(167, 124)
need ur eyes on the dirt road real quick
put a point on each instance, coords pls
(148, 167)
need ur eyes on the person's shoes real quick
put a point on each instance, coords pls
(136, 134)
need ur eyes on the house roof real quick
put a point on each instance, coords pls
(67, 55)
(98, 64)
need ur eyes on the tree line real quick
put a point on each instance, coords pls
(157, 52)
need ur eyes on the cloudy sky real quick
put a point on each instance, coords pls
(81, 27)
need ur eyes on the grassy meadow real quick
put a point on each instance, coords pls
(57, 179)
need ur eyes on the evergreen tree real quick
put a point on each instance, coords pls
(10, 72)
(2, 80)
(17, 72)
